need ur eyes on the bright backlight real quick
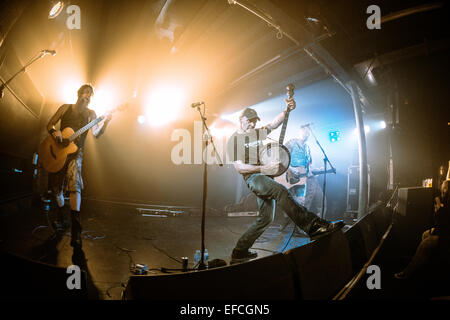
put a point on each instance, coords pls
(164, 105)
(56, 10)
(103, 100)
(69, 91)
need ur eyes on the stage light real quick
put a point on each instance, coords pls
(383, 124)
(141, 119)
(164, 105)
(69, 91)
(103, 100)
(334, 136)
(56, 9)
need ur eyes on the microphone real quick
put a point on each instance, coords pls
(196, 104)
(52, 52)
(307, 125)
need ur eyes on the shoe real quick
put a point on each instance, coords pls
(241, 256)
(59, 227)
(76, 230)
(401, 275)
(299, 232)
(322, 228)
(75, 241)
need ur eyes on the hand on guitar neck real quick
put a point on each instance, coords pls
(290, 104)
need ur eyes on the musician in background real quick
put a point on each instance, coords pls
(69, 178)
(305, 190)
(243, 149)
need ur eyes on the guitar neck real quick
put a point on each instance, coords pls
(85, 128)
(317, 172)
(283, 128)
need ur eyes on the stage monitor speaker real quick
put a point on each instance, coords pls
(363, 238)
(321, 267)
(415, 203)
(414, 215)
(27, 279)
(268, 278)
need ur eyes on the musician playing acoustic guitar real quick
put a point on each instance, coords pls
(243, 150)
(69, 177)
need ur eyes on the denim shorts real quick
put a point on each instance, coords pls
(69, 178)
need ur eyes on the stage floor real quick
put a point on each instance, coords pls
(116, 237)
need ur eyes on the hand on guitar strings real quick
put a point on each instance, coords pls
(271, 168)
(57, 135)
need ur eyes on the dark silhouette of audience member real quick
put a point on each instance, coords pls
(435, 241)
(442, 176)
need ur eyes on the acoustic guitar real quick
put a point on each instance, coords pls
(53, 154)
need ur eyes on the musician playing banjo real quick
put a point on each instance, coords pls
(243, 149)
(69, 178)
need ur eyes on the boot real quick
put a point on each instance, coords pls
(321, 228)
(242, 256)
(76, 229)
(59, 223)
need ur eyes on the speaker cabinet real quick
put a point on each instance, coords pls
(322, 267)
(414, 215)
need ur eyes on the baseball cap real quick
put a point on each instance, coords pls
(249, 113)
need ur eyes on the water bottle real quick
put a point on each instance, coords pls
(197, 257)
(205, 257)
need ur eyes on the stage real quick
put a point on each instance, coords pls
(117, 236)
(138, 114)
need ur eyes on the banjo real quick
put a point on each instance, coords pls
(277, 152)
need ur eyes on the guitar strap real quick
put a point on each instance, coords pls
(257, 146)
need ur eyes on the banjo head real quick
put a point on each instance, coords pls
(274, 152)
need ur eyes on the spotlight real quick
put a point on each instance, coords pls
(141, 119)
(69, 89)
(334, 136)
(103, 100)
(164, 105)
(56, 9)
(383, 124)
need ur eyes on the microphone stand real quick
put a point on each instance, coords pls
(4, 84)
(207, 137)
(325, 161)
